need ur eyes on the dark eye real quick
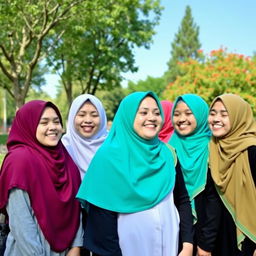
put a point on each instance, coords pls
(43, 123)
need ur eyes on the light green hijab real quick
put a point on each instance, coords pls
(128, 173)
(192, 150)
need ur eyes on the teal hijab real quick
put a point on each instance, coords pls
(128, 173)
(192, 150)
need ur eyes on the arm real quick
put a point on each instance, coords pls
(181, 200)
(78, 241)
(209, 223)
(22, 224)
(101, 235)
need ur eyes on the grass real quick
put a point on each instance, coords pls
(1, 158)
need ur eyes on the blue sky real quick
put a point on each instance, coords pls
(223, 23)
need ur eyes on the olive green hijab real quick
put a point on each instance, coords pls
(230, 167)
(128, 173)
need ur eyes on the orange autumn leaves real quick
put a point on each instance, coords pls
(216, 73)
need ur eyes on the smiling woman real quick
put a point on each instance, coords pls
(38, 183)
(132, 176)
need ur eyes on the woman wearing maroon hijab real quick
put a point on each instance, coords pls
(167, 128)
(38, 185)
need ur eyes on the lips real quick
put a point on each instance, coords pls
(87, 128)
(217, 126)
(52, 134)
(183, 126)
(150, 125)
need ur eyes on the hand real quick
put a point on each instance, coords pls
(254, 254)
(75, 251)
(187, 249)
(201, 252)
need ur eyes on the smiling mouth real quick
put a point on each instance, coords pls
(87, 128)
(52, 135)
(217, 126)
(183, 126)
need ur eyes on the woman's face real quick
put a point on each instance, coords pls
(184, 121)
(87, 120)
(49, 129)
(218, 119)
(148, 120)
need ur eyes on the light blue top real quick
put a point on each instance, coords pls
(25, 237)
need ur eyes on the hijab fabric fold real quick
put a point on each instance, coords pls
(230, 166)
(83, 149)
(192, 150)
(128, 173)
(167, 129)
(47, 174)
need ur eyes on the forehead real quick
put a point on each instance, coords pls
(148, 102)
(88, 106)
(218, 105)
(181, 105)
(49, 112)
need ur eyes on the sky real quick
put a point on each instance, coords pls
(229, 24)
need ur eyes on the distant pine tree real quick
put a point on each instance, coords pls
(185, 45)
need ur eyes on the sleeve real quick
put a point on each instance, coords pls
(78, 240)
(181, 200)
(209, 223)
(249, 246)
(252, 161)
(22, 224)
(101, 235)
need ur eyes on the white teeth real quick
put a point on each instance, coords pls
(150, 125)
(183, 125)
(217, 125)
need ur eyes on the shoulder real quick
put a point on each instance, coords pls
(18, 156)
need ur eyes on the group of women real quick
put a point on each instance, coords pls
(166, 180)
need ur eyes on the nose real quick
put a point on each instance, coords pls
(87, 119)
(182, 118)
(215, 118)
(152, 117)
(52, 126)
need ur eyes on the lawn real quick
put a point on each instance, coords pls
(1, 158)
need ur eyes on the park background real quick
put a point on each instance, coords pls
(56, 50)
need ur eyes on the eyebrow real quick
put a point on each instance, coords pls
(47, 118)
(84, 111)
(148, 108)
(222, 111)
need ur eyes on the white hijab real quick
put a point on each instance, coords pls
(83, 149)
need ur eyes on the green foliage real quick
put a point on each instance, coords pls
(1, 158)
(111, 100)
(185, 45)
(156, 85)
(220, 72)
(3, 139)
(97, 43)
(24, 27)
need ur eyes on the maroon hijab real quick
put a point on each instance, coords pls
(47, 174)
(167, 129)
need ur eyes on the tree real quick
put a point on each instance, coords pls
(156, 85)
(185, 45)
(111, 100)
(24, 26)
(218, 73)
(97, 45)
